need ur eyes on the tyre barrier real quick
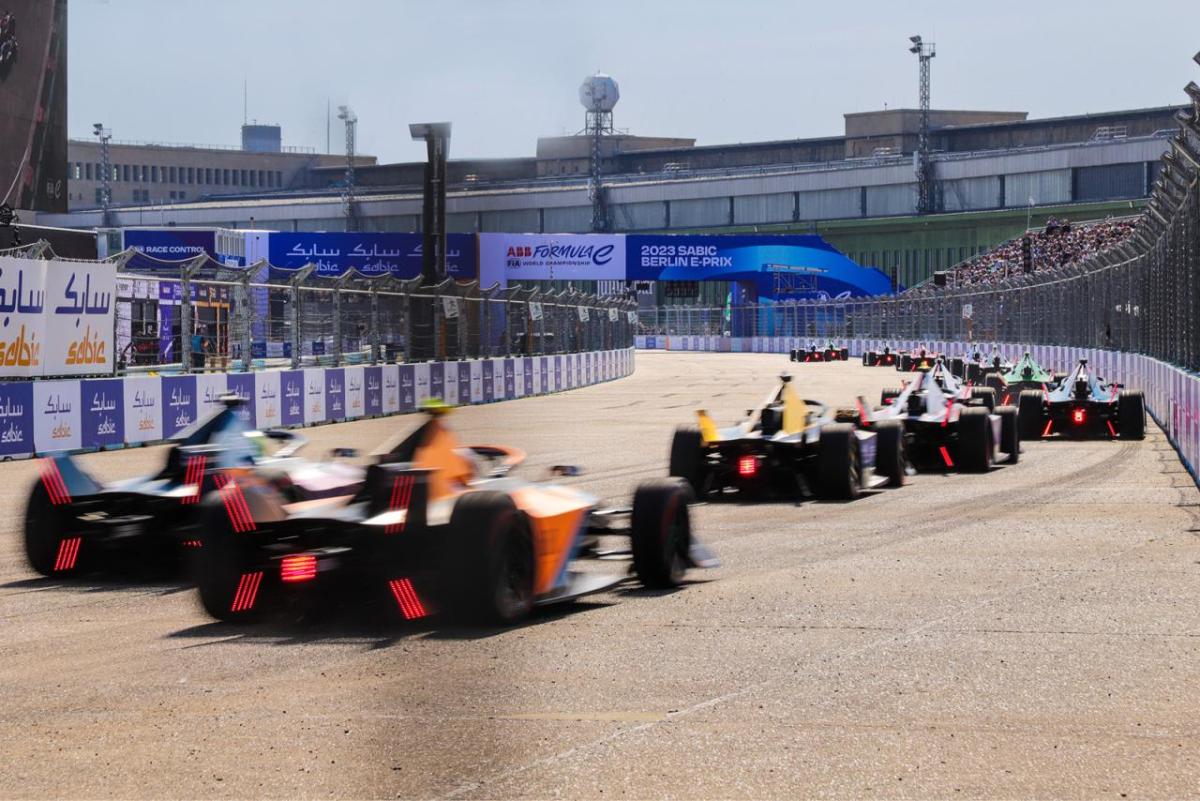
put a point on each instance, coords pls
(86, 414)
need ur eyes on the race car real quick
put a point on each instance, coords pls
(880, 358)
(1082, 405)
(946, 422)
(919, 361)
(831, 353)
(435, 527)
(1024, 374)
(787, 447)
(75, 523)
(976, 369)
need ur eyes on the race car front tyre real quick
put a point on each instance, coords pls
(1131, 414)
(956, 367)
(985, 394)
(839, 471)
(230, 585)
(488, 566)
(1010, 436)
(1029, 414)
(661, 532)
(891, 458)
(687, 458)
(50, 546)
(887, 396)
(974, 440)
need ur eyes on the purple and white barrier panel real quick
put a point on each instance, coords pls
(85, 414)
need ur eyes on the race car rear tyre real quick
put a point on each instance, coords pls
(995, 382)
(1010, 436)
(972, 373)
(956, 368)
(844, 354)
(489, 562)
(794, 355)
(904, 365)
(839, 470)
(1131, 414)
(985, 394)
(227, 575)
(974, 440)
(888, 395)
(869, 358)
(50, 546)
(687, 458)
(1058, 378)
(891, 456)
(661, 532)
(1029, 414)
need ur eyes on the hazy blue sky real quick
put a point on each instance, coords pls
(507, 71)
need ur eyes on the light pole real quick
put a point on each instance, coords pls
(436, 136)
(104, 135)
(924, 51)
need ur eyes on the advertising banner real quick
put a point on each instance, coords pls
(268, 403)
(437, 380)
(335, 394)
(476, 381)
(373, 391)
(354, 392)
(408, 388)
(421, 377)
(168, 244)
(510, 379)
(78, 318)
(22, 327)
(291, 397)
(179, 404)
(450, 383)
(103, 415)
(314, 395)
(16, 418)
(391, 388)
(56, 416)
(143, 409)
(210, 388)
(550, 257)
(242, 385)
(396, 254)
(489, 381)
(464, 382)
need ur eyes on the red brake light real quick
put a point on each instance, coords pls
(1078, 416)
(298, 567)
(747, 466)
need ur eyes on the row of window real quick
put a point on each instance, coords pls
(154, 174)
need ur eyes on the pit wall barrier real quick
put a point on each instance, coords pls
(1172, 393)
(39, 417)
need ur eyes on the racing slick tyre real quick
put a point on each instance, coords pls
(995, 382)
(1029, 414)
(972, 373)
(50, 546)
(687, 458)
(794, 356)
(888, 395)
(661, 532)
(489, 562)
(839, 470)
(1131, 414)
(844, 354)
(974, 440)
(229, 584)
(956, 368)
(985, 394)
(904, 364)
(891, 457)
(1058, 378)
(1010, 436)
(869, 358)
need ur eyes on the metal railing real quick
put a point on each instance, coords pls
(1143, 296)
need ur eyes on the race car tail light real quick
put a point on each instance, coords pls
(946, 456)
(52, 480)
(298, 567)
(747, 466)
(1078, 417)
(247, 592)
(235, 504)
(192, 544)
(402, 486)
(1046, 430)
(68, 553)
(406, 598)
(946, 416)
(1111, 430)
(193, 475)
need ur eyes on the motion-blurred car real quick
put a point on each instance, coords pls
(880, 358)
(830, 353)
(436, 527)
(1082, 405)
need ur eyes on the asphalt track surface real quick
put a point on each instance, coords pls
(1032, 632)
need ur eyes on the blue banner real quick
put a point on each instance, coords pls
(437, 381)
(408, 392)
(489, 381)
(373, 397)
(242, 385)
(168, 245)
(291, 388)
(103, 403)
(782, 266)
(464, 382)
(16, 418)
(510, 383)
(397, 254)
(179, 403)
(527, 369)
(335, 395)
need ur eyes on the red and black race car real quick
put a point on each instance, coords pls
(880, 358)
(830, 353)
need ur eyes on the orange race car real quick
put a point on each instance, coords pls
(437, 527)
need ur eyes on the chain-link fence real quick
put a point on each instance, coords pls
(1141, 297)
(201, 315)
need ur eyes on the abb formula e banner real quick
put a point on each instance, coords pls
(550, 257)
(806, 266)
(56, 318)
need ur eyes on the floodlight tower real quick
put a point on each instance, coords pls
(598, 94)
(105, 136)
(925, 52)
(347, 115)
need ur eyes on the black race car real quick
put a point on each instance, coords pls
(830, 353)
(1082, 405)
(880, 358)
(75, 523)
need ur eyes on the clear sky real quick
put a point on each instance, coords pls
(507, 71)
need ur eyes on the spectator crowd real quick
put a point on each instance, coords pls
(1061, 244)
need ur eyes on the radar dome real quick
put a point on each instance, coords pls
(599, 92)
